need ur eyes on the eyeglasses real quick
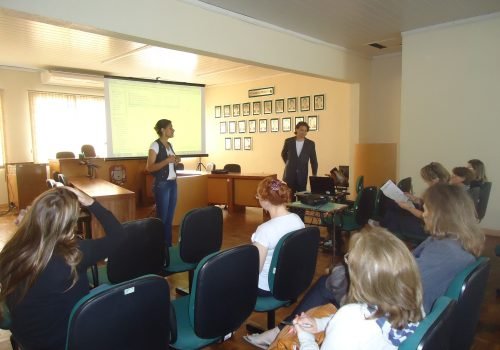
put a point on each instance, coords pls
(346, 258)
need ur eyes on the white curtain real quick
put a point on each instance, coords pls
(65, 122)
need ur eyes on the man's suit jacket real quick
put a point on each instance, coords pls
(296, 167)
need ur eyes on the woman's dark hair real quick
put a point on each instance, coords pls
(301, 124)
(162, 124)
(465, 173)
(479, 170)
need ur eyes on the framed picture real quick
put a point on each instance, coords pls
(228, 144)
(286, 124)
(268, 107)
(246, 108)
(236, 110)
(262, 125)
(247, 143)
(312, 120)
(319, 102)
(256, 108)
(252, 126)
(242, 126)
(218, 111)
(291, 104)
(298, 120)
(227, 111)
(305, 103)
(222, 127)
(279, 106)
(232, 127)
(237, 143)
(275, 125)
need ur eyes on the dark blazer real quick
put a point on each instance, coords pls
(296, 167)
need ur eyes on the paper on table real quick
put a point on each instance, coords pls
(393, 192)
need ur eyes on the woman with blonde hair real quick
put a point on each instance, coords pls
(384, 303)
(43, 267)
(479, 169)
(455, 241)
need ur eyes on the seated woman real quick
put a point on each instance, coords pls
(384, 303)
(461, 176)
(406, 218)
(272, 195)
(43, 267)
(455, 241)
(479, 170)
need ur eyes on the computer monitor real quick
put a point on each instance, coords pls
(322, 185)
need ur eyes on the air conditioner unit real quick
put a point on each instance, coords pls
(72, 79)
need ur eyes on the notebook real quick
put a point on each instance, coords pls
(322, 185)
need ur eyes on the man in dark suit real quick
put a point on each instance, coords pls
(297, 152)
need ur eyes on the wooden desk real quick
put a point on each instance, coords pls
(236, 190)
(118, 200)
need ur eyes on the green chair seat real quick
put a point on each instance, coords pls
(176, 263)
(264, 304)
(186, 337)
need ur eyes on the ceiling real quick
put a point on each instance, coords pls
(351, 24)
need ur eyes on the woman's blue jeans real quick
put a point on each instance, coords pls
(165, 193)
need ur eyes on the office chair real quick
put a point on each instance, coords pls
(291, 271)
(200, 234)
(222, 298)
(65, 154)
(468, 288)
(484, 196)
(362, 210)
(179, 166)
(381, 204)
(233, 168)
(62, 179)
(435, 330)
(88, 151)
(140, 252)
(132, 315)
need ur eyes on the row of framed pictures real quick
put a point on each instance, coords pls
(279, 106)
(242, 126)
(235, 143)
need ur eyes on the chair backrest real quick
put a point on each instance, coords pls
(360, 183)
(224, 291)
(405, 185)
(130, 315)
(294, 263)
(51, 183)
(435, 330)
(468, 289)
(233, 168)
(365, 207)
(65, 154)
(484, 196)
(88, 151)
(381, 204)
(179, 166)
(200, 233)
(141, 252)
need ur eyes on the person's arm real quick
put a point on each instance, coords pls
(284, 151)
(151, 166)
(95, 250)
(306, 334)
(418, 213)
(262, 254)
(314, 160)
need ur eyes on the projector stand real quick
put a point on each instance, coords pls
(200, 165)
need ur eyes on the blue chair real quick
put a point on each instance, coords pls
(434, 331)
(200, 234)
(291, 271)
(222, 297)
(132, 315)
(468, 288)
(140, 252)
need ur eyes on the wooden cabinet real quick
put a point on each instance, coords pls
(25, 181)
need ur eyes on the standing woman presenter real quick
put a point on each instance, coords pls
(161, 163)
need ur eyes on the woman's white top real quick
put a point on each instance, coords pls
(268, 234)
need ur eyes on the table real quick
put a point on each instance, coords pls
(236, 190)
(317, 213)
(118, 200)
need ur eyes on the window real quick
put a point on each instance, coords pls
(2, 154)
(65, 122)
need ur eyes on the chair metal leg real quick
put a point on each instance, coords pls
(271, 319)
(183, 291)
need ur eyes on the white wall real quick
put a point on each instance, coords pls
(450, 100)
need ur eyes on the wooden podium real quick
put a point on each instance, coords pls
(25, 181)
